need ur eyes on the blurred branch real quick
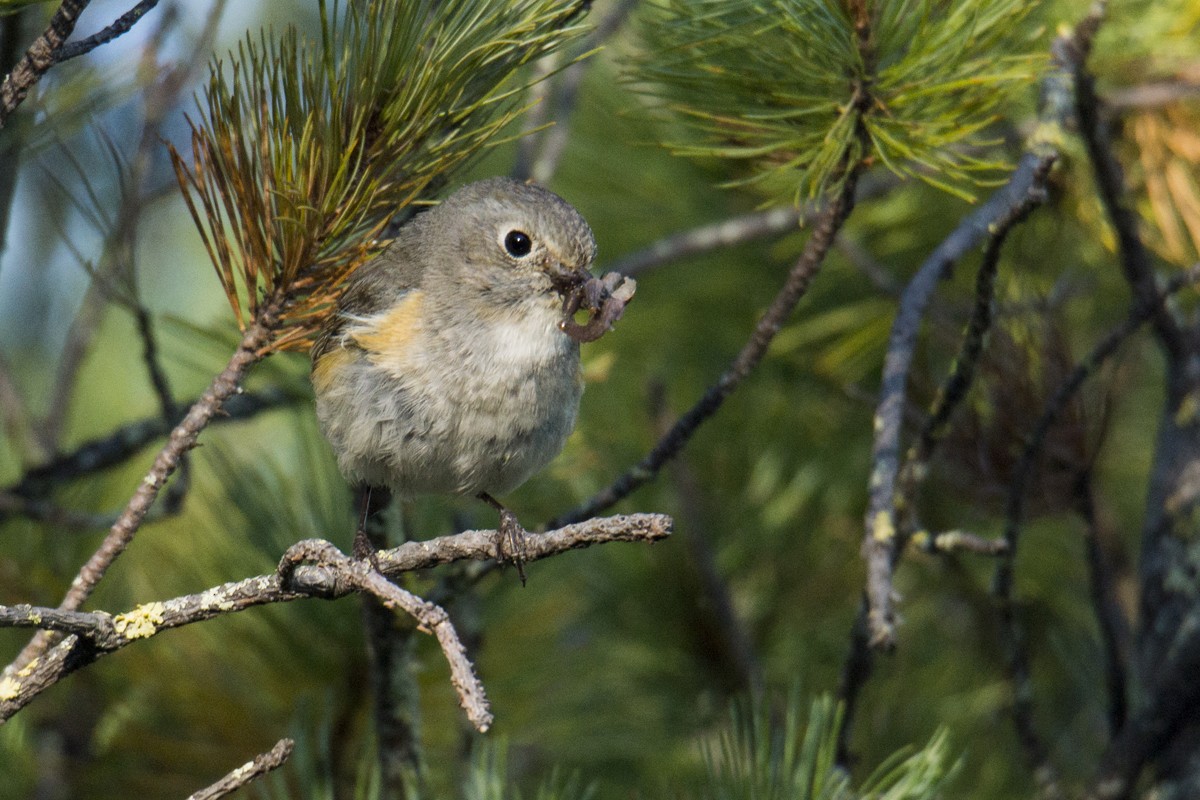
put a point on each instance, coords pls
(81, 638)
(736, 230)
(1114, 627)
(1151, 95)
(1022, 473)
(1072, 53)
(882, 543)
(15, 419)
(129, 440)
(715, 602)
(825, 229)
(261, 765)
(120, 26)
(538, 154)
(15, 505)
(38, 58)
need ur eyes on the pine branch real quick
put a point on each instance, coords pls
(80, 638)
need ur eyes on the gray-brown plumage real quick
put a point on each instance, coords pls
(445, 368)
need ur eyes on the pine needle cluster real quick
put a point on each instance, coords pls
(780, 757)
(799, 89)
(304, 151)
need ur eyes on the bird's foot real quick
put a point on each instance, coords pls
(511, 542)
(510, 539)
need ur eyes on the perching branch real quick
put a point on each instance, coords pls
(825, 230)
(83, 637)
(261, 765)
(881, 545)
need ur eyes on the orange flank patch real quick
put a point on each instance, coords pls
(325, 371)
(388, 338)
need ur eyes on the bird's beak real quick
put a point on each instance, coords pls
(566, 280)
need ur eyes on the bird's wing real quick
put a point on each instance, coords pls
(372, 289)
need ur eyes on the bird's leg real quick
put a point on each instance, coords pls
(363, 547)
(510, 546)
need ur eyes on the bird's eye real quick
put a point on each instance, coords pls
(518, 244)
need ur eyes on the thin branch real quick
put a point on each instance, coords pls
(182, 439)
(824, 231)
(32, 508)
(38, 58)
(1151, 95)
(128, 440)
(1136, 262)
(882, 545)
(119, 27)
(262, 764)
(362, 576)
(75, 349)
(1024, 469)
(552, 102)
(715, 601)
(15, 419)
(725, 233)
(92, 635)
(736, 230)
(1114, 627)
(1023, 472)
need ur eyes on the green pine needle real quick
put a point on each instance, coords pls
(791, 88)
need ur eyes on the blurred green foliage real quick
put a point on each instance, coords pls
(608, 670)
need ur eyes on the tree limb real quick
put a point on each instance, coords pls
(83, 637)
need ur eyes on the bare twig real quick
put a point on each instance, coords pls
(15, 419)
(38, 58)
(824, 230)
(15, 505)
(993, 219)
(262, 764)
(726, 233)
(361, 575)
(84, 637)
(120, 26)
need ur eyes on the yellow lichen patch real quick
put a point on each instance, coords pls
(882, 529)
(388, 338)
(140, 623)
(9, 689)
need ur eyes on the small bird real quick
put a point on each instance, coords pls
(449, 365)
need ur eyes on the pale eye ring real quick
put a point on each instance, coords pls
(518, 244)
